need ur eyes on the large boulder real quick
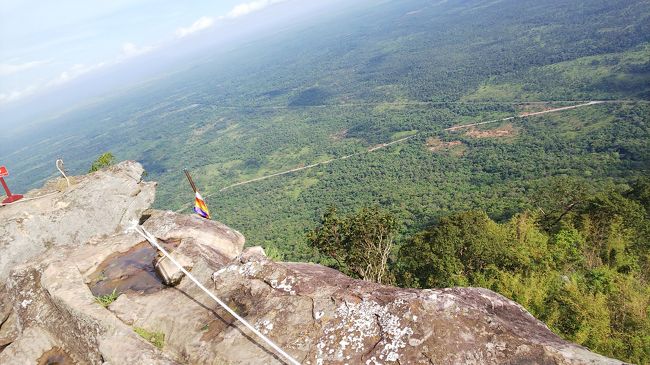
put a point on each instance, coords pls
(198, 237)
(102, 203)
(51, 311)
(320, 316)
(206, 235)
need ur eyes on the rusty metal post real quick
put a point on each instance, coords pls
(10, 197)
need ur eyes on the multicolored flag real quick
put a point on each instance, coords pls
(200, 207)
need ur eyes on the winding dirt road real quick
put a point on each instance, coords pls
(384, 145)
(525, 115)
(388, 144)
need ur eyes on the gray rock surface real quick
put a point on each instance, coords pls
(323, 317)
(253, 251)
(171, 274)
(101, 203)
(207, 235)
(8, 330)
(54, 305)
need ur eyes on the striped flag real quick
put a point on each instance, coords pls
(200, 207)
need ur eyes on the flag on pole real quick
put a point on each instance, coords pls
(200, 207)
(199, 204)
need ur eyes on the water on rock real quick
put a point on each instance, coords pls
(131, 271)
(55, 356)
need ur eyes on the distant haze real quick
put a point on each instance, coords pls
(50, 64)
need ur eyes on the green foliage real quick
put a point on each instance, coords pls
(448, 253)
(559, 198)
(567, 248)
(273, 253)
(585, 278)
(359, 244)
(602, 76)
(106, 300)
(105, 160)
(155, 338)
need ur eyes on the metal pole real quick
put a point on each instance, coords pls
(61, 168)
(4, 185)
(10, 197)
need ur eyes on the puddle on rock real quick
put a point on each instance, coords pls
(55, 356)
(129, 272)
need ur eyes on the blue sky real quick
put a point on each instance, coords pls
(44, 44)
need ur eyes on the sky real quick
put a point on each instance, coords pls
(45, 44)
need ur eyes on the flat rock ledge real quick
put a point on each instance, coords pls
(98, 204)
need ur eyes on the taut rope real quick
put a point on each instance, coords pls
(152, 240)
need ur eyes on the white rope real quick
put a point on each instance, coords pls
(29, 199)
(44, 195)
(60, 168)
(143, 232)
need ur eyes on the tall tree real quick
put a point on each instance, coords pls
(359, 244)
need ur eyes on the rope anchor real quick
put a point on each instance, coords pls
(61, 168)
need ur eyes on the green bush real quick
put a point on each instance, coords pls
(583, 275)
(105, 160)
(359, 244)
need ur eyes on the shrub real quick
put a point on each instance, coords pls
(105, 160)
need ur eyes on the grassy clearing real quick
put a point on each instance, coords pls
(402, 134)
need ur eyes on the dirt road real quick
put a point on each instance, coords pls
(388, 144)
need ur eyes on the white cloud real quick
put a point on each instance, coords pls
(128, 51)
(68, 75)
(10, 69)
(236, 12)
(74, 72)
(16, 94)
(131, 50)
(250, 7)
(199, 25)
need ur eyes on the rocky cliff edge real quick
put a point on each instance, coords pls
(60, 253)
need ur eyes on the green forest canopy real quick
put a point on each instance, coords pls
(580, 262)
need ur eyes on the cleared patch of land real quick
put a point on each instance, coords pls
(435, 144)
(505, 131)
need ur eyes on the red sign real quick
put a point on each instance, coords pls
(3, 171)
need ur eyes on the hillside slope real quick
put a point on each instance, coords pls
(369, 74)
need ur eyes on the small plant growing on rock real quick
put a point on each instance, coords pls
(105, 160)
(106, 300)
(156, 338)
